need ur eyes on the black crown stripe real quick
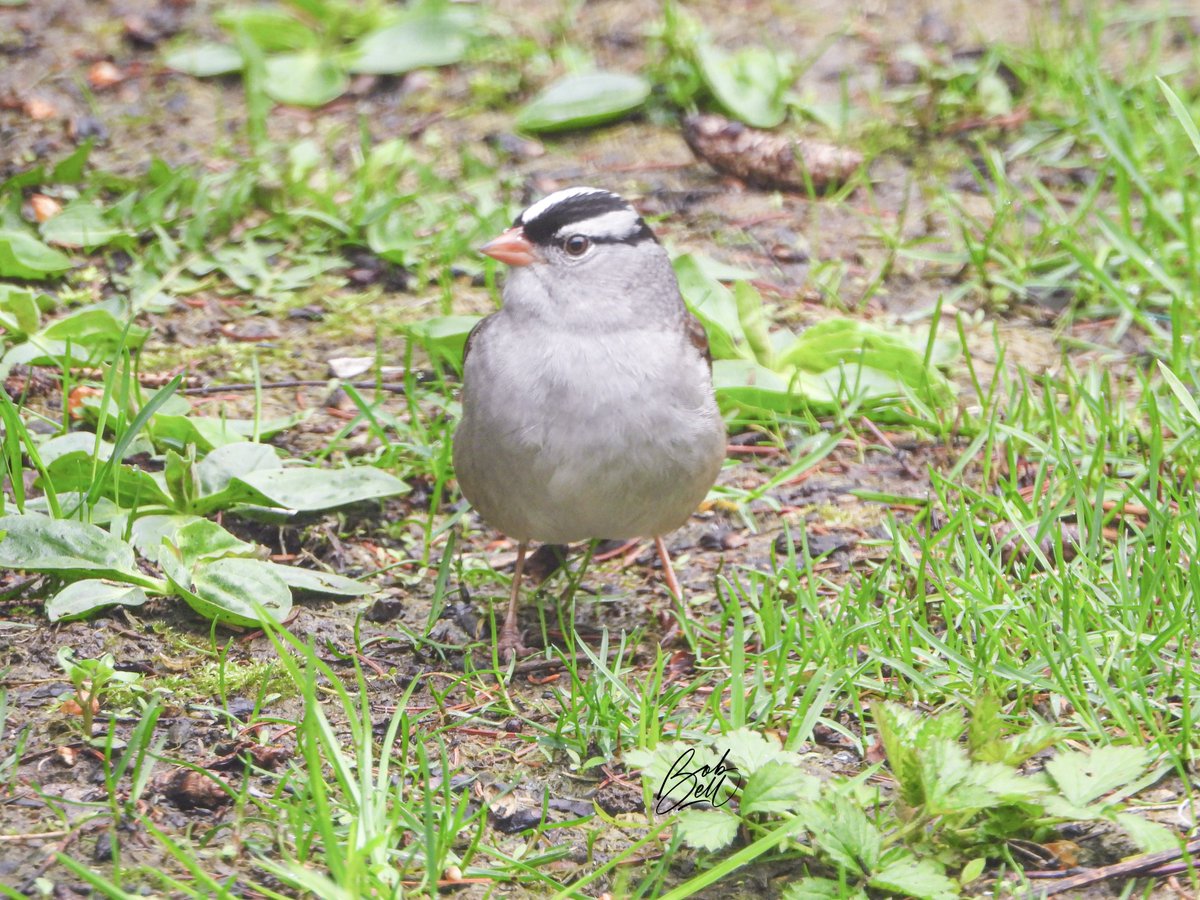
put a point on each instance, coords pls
(577, 209)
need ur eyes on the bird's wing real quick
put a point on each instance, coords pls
(692, 327)
(471, 335)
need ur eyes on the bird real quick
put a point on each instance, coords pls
(588, 409)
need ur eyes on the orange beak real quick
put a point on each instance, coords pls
(511, 247)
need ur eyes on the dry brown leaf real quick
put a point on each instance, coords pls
(189, 789)
(40, 110)
(1066, 852)
(44, 207)
(104, 74)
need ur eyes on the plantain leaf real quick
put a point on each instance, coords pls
(751, 84)
(580, 101)
(304, 78)
(311, 489)
(81, 225)
(430, 38)
(79, 600)
(313, 582)
(24, 256)
(65, 548)
(204, 60)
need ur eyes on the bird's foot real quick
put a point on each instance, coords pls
(509, 645)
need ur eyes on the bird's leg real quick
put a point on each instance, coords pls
(509, 643)
(672, 631)
(668, 570)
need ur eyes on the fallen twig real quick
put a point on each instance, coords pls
(1147, 865)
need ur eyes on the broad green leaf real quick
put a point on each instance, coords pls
(101, 512)
(751, 84)
(835, 341)
(134, 431)
(657, 763)
(754, 320)
(777, 788)
(127, 486)
(226, 589)
(38, 351)
(922, 878)
(986, 729)
(720, 271)
(74, 442)
(1084, 777)
(209, 432)
(78, 600)
(715, 306)
(848, 356)
(179, 474)
(750, 750)
(1003, 783)
(82, 225)
(223, 464)
(202, 540)
(1149, 836)
(422, 41)
(74, 463)
(707, 829)
(844, 833)
(20, 312)
(1019, 747)
(310, 489)
(945, 771)
(94, 327)
(233, 585)
(820, 889)
(444, 337)
(147, 532)
(579, 101)
(972, 870)
(313, 582)
(390, 233)
(64, 548)
(24, 256)
(744, 384)
(204, 432)
(827, 344)
(304, 78)
(272, 28)
(204, 60)
(70, 169)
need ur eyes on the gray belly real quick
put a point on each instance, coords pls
(578, 448)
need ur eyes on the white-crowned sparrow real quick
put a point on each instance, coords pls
(588, 408)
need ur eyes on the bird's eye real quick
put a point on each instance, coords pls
(576, 245)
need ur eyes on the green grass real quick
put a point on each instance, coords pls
(1017, 621)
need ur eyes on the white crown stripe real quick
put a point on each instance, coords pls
(616, 225)
(554, 199)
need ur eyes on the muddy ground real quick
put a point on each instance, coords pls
(47, 45)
